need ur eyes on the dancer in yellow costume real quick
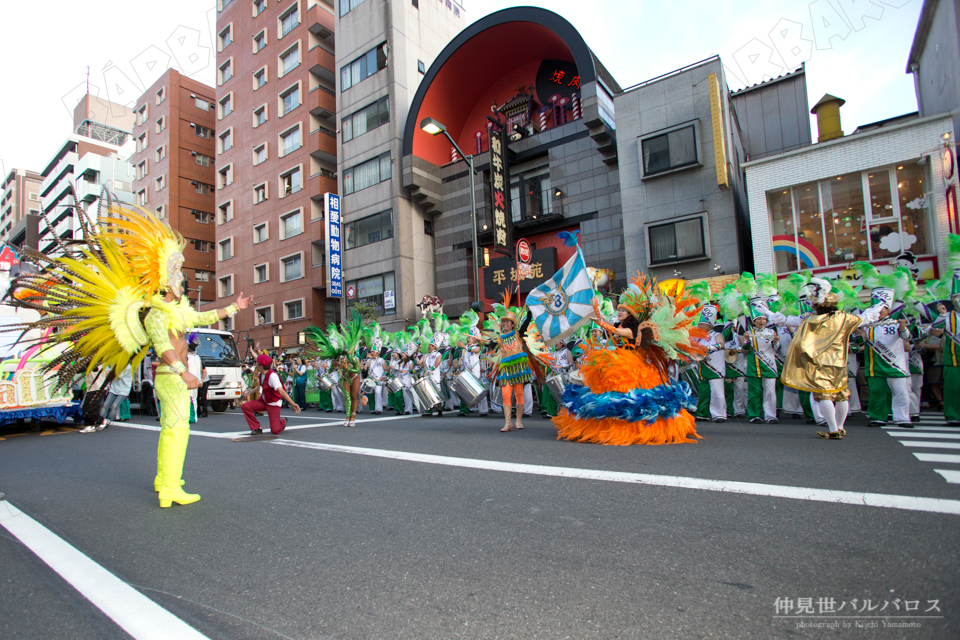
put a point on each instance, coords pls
(95, 295)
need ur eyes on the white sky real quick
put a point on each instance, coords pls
(48, 46)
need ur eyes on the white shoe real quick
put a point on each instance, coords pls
(103, 425)
(90, 429)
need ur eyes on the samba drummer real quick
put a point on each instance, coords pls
(431, 368)
(470, 361)
(377, 371)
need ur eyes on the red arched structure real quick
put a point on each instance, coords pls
(488, 61)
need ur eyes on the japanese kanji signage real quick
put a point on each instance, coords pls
(331, 210)
(557, 78)
(502, 273)
(499, 185)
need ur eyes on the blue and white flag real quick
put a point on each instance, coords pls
(564, 303)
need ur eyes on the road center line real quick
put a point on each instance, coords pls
(135, 613)
(887, 501)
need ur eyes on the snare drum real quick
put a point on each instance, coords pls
(368, 386)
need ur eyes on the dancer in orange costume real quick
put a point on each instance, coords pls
(628, 397)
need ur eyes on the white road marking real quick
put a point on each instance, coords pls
(938, 457)
(953, 477)
(888, 501)
(135, 613)
(930, 445)
(953, 429)
(910, 433)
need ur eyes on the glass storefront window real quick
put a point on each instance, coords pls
(914, 208)
(806, 202)
(780, 205)
(851, 217)
(370, 290)
(845, 219)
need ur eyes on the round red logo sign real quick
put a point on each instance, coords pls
(523, 251)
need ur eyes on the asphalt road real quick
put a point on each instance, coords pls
(295, 541)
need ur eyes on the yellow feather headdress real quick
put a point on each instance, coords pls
(153, 249)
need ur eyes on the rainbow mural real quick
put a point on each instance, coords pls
(809, 256)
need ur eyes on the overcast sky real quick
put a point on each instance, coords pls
(855, 49)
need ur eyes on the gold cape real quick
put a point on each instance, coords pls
(817, 357)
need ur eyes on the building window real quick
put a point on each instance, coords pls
(161, 153)
(259, 116)
(226, 71)
(226, 212)
(160, 212)
(290, 183)
(226, 249)
(289, 20)
(259, 78)
(226, 37)
(291, 225)
(203, 132)
(226, 106)
(226, 286)
(261, 273)
(366, 119)
(259, 154)
(224, 4)
(851, 217)
(290, 99)
(161, 124)
(346, 6)
(204, 161)
(161, 95)
(259, 193)
(202, 188)
(261, 233)
(226, 141)
(292, 267)
(422, 68)
(203, 246)
(202, 276)
(141, 115)
(368, 230)
(265, 315)
(259, 6)
(201, 217)
(159, 183)
(142, 197)
(668, 151)
(226, 324)
(259, 41)
(289, 60)
(226, 176)
(370, 290)
(290, 141)
(293, 310)
(202, 104)
(141, 142)
(677, 241)
(367, 174)
(363, 67)
(142, 170)
(531, 194)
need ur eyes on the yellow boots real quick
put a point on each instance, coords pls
(170, 455)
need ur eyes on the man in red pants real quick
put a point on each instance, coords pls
(272, 394)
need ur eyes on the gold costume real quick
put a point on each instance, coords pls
(817, 358)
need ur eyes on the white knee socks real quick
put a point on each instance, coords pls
(843, 408)
(829, 412)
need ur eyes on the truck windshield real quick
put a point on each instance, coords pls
(218, 350)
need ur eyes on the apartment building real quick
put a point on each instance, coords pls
(89, 166)
(20, 206)
(276, 155)
(384, 49)
(176, 177)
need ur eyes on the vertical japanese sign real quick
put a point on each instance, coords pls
(331, 211)
(719, 132)
(499, 182)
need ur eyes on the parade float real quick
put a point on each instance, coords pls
(26, 393)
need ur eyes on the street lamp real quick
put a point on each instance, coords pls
(434, 127)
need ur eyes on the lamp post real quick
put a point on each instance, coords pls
(434, 127)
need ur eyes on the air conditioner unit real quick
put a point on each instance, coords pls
(192, 125)
(193, 153)
(193, 95)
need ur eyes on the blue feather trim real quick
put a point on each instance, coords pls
(647, 405)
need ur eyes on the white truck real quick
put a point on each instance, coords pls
(218, 351)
